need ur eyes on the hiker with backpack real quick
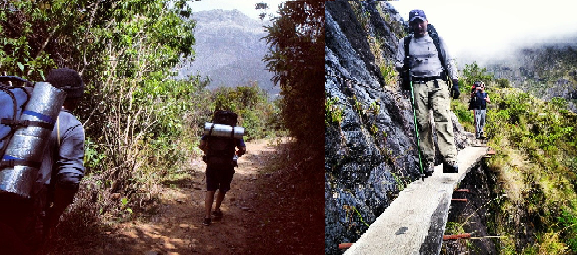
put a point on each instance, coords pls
(428, 69)
(63, 164)
(55, 167)
(479, 100)
(220, 157)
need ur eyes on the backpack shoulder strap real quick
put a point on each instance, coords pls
(407, 42)
(436, 41)
(435, 38)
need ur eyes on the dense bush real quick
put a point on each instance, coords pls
(471, 74)
(544, 136)
(296, 57)
(125, 51)
(503, 83)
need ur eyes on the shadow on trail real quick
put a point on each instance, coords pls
(175, 227)
(186, 183)
(263, 212)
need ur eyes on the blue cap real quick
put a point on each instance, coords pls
(417, 14)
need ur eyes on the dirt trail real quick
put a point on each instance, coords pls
(176, 227)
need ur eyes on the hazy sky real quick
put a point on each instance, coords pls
(489, 28)
(245, 6)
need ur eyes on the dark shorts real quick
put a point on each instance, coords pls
(219, 178)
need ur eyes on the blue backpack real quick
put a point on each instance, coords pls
(12, 103)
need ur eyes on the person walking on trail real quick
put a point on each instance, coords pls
(220, 162)
(431, 66)
(30, 226)
(63, 166)
(479, 102)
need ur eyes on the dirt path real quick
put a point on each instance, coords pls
(176, 226)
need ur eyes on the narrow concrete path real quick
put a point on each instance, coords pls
(414, 222)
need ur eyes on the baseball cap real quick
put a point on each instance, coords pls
(417, 14)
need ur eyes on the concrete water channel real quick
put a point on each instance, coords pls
(414, 223)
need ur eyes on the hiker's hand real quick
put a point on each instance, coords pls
(241, 151)
(455, 89)
(408, 63)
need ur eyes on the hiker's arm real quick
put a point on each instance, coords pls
(400, 55)
(202, 145)
(241, 151)
(487, 99)
(70, 164)
(241, 147)
(70, 170)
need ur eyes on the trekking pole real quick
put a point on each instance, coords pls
(415, 121)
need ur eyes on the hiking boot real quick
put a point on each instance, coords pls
(450, 167)
(207, 221)
(429, 169)
(482, 136)
(217, 215)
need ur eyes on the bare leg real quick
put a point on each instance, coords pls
(208, 203)
(219, 199)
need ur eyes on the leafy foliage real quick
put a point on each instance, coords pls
(124, 50)
(543, 135)
(334, 113)
(503, 83)
(474, 73)
(258, 116)
(296, 57)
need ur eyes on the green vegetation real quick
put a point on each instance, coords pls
(535, 165)
(334, 113)
(503, 83)
(471, 74)
(464, 115)
(297, 36)
(536, 147)
(258, 116)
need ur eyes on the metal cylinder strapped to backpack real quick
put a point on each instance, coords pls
(24, 154)
(222, 130)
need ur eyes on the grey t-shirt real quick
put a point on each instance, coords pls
(427, 62)
(70, 158)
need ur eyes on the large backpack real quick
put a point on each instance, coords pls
(433, 34)
(26, 122)
(12, 103)
(221, 150)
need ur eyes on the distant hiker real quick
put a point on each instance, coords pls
(479, 100)
(28, 221)
(425, 55)
(220, 157)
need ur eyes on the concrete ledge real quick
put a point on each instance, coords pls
(414, 223)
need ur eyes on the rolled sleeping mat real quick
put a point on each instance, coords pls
(222, 130)
(24, 154)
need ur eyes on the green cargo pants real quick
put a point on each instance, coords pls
(429, 96)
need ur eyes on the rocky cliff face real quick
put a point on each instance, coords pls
(370, 153)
